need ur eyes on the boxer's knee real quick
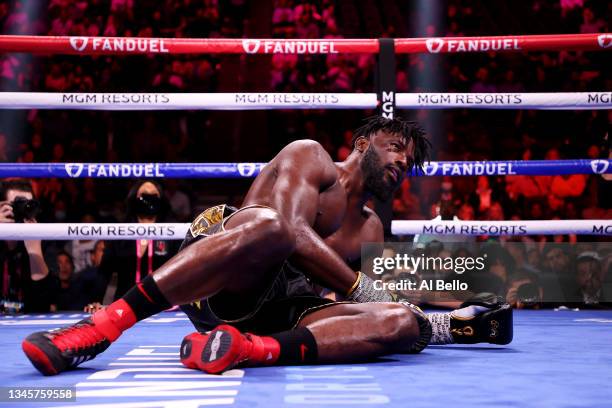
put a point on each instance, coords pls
(265, 230)
(398, 326)
(275, 229)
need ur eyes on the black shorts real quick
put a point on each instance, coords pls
(289, 296)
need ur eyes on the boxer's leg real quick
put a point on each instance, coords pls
(241, 259)
(338, 333)
(351, 332)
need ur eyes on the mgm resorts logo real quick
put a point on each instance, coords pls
(387, 104)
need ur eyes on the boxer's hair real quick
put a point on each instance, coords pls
(409, 130)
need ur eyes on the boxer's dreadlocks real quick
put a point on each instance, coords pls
(410, 130)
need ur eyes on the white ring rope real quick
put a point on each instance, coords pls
(176, 231)
(263, 100)
(532, 227)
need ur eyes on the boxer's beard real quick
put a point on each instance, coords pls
(374, 176)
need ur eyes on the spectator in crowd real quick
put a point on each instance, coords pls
(556, 275)
(483, 197)
(406, 203)
(132, 261)
(69, 293)
(524, 291)
(592, 283)
(25, 275)
(466, 212)
(180, 205)
(590, 23)
(94, 282)
(80, 250)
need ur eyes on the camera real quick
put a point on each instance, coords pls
(529, 295)
(25, 209)
(147, 205)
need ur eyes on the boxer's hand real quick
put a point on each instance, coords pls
(364, 291)
(93, 307)
(6, 212)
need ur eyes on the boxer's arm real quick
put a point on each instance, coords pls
(304, 170)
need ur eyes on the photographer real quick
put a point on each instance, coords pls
(26, 284)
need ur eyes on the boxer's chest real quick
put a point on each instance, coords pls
(347, 240)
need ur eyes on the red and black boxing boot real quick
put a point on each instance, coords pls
(54, 351)
(191, 349)
(226, 347)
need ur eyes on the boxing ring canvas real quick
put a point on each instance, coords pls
(557, 359)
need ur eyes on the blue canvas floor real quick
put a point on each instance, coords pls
(557, 359)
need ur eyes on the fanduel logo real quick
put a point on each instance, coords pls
(74, 169)
(434, 45)
(74, 42)
(248, 169)
(599, 166)
(605, 40)
(289, 47)
(430, 168)
(251, 46)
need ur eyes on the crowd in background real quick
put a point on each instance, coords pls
(527, 274)
(75, 136)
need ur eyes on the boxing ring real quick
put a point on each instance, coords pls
(557, 358)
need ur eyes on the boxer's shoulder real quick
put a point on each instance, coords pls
(308, 158)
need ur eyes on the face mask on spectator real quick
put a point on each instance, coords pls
(147, 205)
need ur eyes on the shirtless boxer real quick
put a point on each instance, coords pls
(252, 270)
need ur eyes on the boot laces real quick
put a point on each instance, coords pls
(77, 337)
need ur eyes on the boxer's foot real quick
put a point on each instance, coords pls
(225, 348)
(191, 349)
(54, 351)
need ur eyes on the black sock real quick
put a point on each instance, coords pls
(296, 347)
(146, 299)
